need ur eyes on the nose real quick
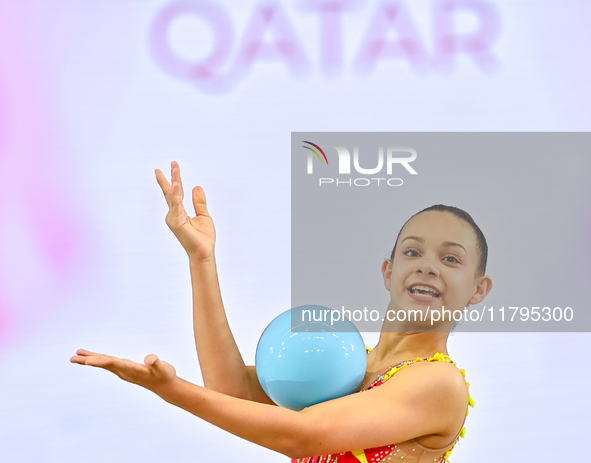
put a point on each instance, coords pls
(427, 267)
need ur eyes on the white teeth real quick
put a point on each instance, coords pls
(424, 288)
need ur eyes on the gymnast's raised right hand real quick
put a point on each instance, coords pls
(197, 234)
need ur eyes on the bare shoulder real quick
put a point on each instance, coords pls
(439, 379)
(437, 394)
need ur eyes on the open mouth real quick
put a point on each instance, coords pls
(425, 291)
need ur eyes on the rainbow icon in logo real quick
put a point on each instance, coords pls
(316, 152)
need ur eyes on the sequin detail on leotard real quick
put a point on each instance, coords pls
(392, 452)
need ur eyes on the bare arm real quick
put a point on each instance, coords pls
(422, 400)
(221, 363)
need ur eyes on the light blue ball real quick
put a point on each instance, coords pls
(320, 361)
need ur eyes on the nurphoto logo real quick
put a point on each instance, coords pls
(344, 164)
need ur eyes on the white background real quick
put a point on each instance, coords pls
(86, 260)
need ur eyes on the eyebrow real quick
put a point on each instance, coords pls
(444, 244)
(416, 238)
(450, 243)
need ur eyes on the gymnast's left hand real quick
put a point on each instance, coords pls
(154, 374)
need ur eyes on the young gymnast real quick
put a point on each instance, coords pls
(413, 401)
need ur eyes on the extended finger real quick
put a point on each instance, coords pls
(199, 201)
(101, 361)
(80, 360)
(164, 185)
(86, 352)
(177, 185)
(90, 359)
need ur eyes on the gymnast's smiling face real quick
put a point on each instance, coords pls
(435, 265)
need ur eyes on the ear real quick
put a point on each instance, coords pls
(483, 287)
(387, 272)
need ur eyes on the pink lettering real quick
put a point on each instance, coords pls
(392, 15)
(331, 53)
(477, 45)
(270, 17)
(204, 74)
(270, 36)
